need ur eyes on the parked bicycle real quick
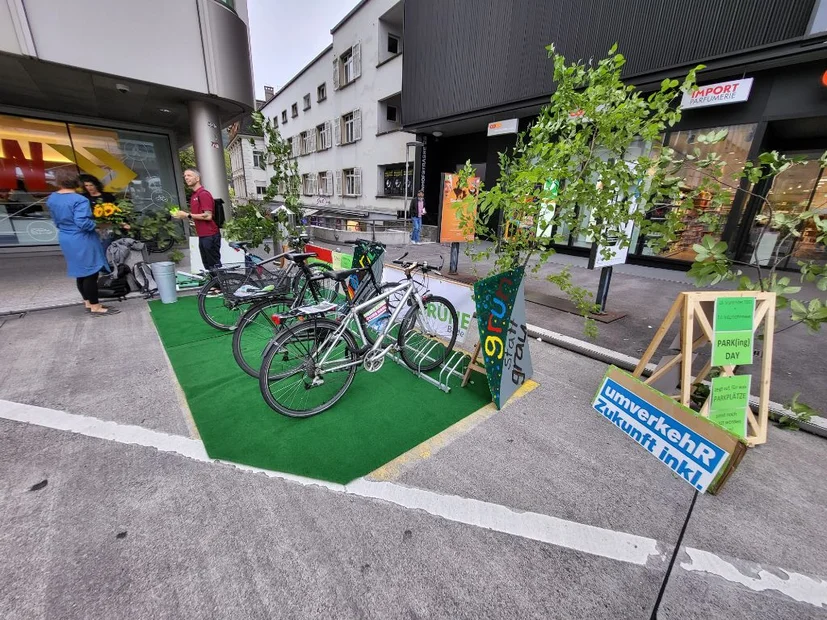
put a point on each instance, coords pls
(221, 307)
(256, 328)
(309, 366)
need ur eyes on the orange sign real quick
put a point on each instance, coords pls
(450, 228)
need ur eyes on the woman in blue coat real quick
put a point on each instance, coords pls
(81, 246)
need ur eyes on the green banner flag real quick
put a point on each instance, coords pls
(733, 336)
(730, 399)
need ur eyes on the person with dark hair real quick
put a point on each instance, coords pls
(72, 215)
(93, 190)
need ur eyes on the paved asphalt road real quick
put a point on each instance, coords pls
(539, 511)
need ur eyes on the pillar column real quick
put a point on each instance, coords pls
(205, 127)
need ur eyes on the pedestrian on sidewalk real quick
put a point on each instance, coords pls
(202, 208)
(417, 210)
(78, 238)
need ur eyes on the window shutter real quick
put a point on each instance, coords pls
(312, 179)
(357, 60)
(358, 181)
(357, 125)
(313, 141)
(338, 182)
(327, 141)
(336, 73)
(295, 145)
(337, 131)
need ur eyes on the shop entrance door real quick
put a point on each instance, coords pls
(796, 190)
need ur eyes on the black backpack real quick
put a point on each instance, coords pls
(218, 213)
(114, 285)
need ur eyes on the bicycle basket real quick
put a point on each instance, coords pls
(243, 282)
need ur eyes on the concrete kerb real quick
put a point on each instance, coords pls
(817, 425)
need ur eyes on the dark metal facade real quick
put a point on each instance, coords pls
(471, 55)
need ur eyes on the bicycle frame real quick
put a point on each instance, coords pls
(353, 316)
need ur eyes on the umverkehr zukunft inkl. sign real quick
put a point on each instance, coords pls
(733, 331)
(638, 411)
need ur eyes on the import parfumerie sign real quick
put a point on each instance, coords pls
(734, 91)
(692, 447)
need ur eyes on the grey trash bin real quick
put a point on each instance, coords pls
(164, 274)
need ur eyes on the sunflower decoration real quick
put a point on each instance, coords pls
(111, 213)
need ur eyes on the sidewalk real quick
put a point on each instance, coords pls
(645, 294)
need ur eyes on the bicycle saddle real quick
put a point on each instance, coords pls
(344, 274)
(300, 256)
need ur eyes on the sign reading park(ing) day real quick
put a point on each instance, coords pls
(733, 330)
(730, 399)
(500, 302)
(693, 448)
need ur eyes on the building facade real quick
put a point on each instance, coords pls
(774, 51)
(342, 114)
(112, 88)
(247, 161)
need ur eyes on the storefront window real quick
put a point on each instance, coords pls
(130, 165)
(797, 189)
(31, 151)
(733, 151)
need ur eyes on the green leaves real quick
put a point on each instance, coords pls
(709, 248)
(801, 412)
(812, 315)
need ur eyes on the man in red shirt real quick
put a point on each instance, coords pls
(202, 207)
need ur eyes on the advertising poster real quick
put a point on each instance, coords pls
(500, 302)
(697, 451)
(732, 326)
(450, 230)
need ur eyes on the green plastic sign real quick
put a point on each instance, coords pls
(500, 303)
(730, 399)
(733, 336)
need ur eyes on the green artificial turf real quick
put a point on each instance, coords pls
(381, 416)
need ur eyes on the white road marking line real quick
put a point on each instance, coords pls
(569, 534)
(620, 546)
(802, 588)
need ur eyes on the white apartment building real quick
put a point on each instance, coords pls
(343, 116)
(246, 149)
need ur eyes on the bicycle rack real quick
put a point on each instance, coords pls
(453, 367)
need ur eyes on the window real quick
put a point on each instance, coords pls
(326, 183)
(391, 114)
(393, 180)
(307, 142)
(284, 117)
(393, 44)
(321, 93)
(349, 128)
(352, 181)
(294, 110)
(260, 191)
(307, 101)
(309, 184)
(292, 147)
(347, 67)
(323, 140)
(258, 159)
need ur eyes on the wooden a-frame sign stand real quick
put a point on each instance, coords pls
(695, 311)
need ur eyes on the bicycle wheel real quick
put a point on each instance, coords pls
(220, 310)
(287, 378)
(426, 341)
(255, 330)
